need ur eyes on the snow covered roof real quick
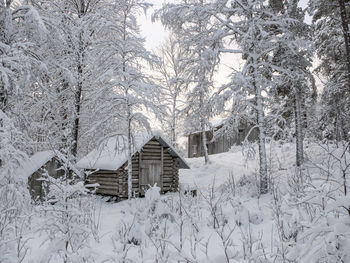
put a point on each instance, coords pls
(112, 154)
(217, 122)
(214, 123)
(34, 163)
(39, 159)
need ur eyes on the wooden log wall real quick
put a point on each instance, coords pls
(108, 181)
(115, 183)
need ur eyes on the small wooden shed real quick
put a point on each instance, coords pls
(154, 161)
(36, 167)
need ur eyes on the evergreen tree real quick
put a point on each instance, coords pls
(294, 81)
(331, 51)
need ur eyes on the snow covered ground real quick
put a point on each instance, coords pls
(228, 221)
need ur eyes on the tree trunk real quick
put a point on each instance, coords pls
(173, 123)
(262, 147)
(204, 142)
(77, 99)
(129, 158)
(298, 130)
(204, 137)
(346, 33)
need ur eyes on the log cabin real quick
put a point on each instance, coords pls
(154, 161)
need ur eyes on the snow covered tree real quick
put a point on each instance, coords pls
(196, 32)
(72, 25)
(66, 208)
(294, 78)
(324, 201)
(172, 77)
(257, 33)
(333, 67)
(124, 78)
(18, 65)
(277, 56)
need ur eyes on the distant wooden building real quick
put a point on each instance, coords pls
(154, 161)
(222, 143)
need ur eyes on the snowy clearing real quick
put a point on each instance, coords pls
(219, 224)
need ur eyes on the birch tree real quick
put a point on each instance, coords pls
(257, 30)
(124, 76)
(197, 35)
(72, 25)
(173, 80)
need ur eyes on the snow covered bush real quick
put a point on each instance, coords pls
(14, 198)
(326, 201)
(67, 220)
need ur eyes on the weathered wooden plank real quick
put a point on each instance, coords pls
(152, 143)
(107, 192)
(151, 153)
(103, 177)
(107, 187)
(151, 148)
(162, 167)
(102, 171)
(151, 158)
(114, 184)
(167, 182)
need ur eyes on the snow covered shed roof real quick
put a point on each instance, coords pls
(112, 154)
(35, 162)
(38, 160)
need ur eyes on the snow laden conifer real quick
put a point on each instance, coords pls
(333, 67)
(294, 91)
(198, 37)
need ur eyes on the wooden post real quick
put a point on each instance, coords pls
(140, 164)
(162, 167)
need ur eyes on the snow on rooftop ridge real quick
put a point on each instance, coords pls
(113, 152)
(174, 151)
